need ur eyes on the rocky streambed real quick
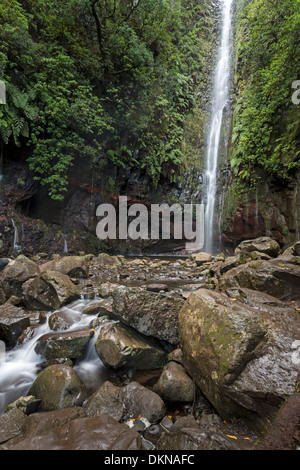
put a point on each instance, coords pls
(107, 352)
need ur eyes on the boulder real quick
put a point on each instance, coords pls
(15, 273)
(58, 386)
(11, 423)
(262, 245)
(174, 384)
(272, 277)
(73, 266)
(13, 321)
(201, 258)
(106, 399)
(121, 346)
(150, 313)
(70, 344)
(242, 357)
(49, 291)
(96, 433)
(139, 401)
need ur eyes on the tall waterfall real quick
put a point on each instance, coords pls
(219, 101)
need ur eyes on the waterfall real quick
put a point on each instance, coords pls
(16, 242)
(219, 101)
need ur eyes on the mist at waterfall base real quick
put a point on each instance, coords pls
(21, 365)
(220, 97)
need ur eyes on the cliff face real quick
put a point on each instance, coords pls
(32, 222)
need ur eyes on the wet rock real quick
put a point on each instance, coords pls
(58, 321)
(262, 244)
(13, 321)
(73, 266)
(95, 433)
(27, 404)
(283, 433)
(71, 344)
(11, 424)
(239, 355)
(174, 384)
(150, 313)
(140, 402)
(273, 278)
(195, 439)
(120, 346)
(105, 400)
(49, 291)
(16, 273)
(58, 386)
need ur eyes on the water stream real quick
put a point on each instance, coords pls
(219, 101)
(21, 365)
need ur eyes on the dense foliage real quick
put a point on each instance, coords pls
(266, 133)
(109, 80)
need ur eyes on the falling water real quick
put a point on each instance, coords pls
(219, 101)
(20, 366)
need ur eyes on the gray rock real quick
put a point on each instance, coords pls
(139, 401)
(262, 244)
(150, 313)
(121, 346)
(272, 277)
(49, 291)
(107, 399)
(241, 356)
(174, 384)
(13, 321)
(69, 344)
(73, 266)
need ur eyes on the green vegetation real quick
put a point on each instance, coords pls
(109, 80)
(266, 128)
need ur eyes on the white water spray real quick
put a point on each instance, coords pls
(219, 102)
(19, 367)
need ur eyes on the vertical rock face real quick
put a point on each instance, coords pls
(240, 356)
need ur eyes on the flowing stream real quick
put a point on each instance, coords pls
(20, 366)
(219, 102)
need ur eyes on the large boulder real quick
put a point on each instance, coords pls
(73, 266)
(49, 291)
(272, 277)
(67, 430)
(58, 386)
(262, 245)
(13, 321)
(69, 344)
(150, 313)
(15, 273)
(241, 356)
(121, 346)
